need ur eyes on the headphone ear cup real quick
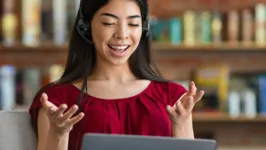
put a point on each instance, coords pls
(145, 29)
(84, 29)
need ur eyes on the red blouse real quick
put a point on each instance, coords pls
(142, 114)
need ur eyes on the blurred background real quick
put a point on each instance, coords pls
(219, 44)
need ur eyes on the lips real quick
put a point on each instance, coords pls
(118, 50)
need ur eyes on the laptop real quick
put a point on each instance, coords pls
(134, 142)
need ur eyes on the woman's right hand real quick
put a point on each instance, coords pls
(60, 123)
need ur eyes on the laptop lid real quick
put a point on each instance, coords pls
(132, 142)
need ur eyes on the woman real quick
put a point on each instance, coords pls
(108, 85)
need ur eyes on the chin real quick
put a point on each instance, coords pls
(119, 62)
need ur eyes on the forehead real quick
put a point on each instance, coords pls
(121, 8)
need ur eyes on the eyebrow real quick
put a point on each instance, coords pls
(114, 16)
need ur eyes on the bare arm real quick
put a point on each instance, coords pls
(54, 125)
(47, 139)
(181, 113)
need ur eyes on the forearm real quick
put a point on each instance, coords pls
(55, 142)
(184, 131)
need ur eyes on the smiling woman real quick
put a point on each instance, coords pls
(110, 84)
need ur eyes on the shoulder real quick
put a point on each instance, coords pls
(58, 89)
(170, 86)
(171, 89)
(57, 93)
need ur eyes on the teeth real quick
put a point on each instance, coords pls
(119, 47)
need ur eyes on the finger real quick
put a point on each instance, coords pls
(171, 111)
(70, 113)
(59, 112)
(190, 104)
(75, 119)
(181, 99)
(192, 89)
(48, 106)
(198, 96)
(180, 108)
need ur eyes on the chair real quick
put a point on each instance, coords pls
(16, 132)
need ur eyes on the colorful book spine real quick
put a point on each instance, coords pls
(77, 4)
(175, 30)
(234, 103)
(60, 21)
(260, 20)
(247, 26)
(1, 19)
(7, 87)
(233, 27)
(9, 23)
(189, 28)
(217, 27)
(31, 84)
(31, 22)
(249, 103)
(262, 94)
(46, 20)
(205, 28)
(71, 14)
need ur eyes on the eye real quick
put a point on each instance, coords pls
(134, 25)
(107, 24)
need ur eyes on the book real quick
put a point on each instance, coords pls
(7, 87)
(189, 21)
(47, 20)
(9, 23)
(260, 20)
(60, 22)
(31, 22)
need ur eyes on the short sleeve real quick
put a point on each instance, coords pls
(54, 96)
(175, 91)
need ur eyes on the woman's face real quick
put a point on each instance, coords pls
(116, 31)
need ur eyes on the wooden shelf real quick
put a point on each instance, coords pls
(47, 54)
(156, 46)
(225, 118)
(18, 48)
(24, 56)
(205, 117)
(208, 48)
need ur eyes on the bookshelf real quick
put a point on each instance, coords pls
(175, 61)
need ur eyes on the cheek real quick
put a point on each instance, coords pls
(100, 36)
(136, 36)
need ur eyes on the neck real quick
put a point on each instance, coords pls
(112, 73)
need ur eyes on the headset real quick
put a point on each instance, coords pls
(84, 27)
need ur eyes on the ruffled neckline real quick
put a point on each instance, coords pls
(115, 99)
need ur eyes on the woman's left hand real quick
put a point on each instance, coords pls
(181, 112)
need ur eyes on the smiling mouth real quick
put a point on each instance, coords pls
(119, 48)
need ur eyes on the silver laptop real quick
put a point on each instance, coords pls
(130, 142)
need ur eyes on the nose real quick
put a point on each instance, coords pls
(122, 32)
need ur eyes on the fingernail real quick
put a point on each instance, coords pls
(168, 107)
